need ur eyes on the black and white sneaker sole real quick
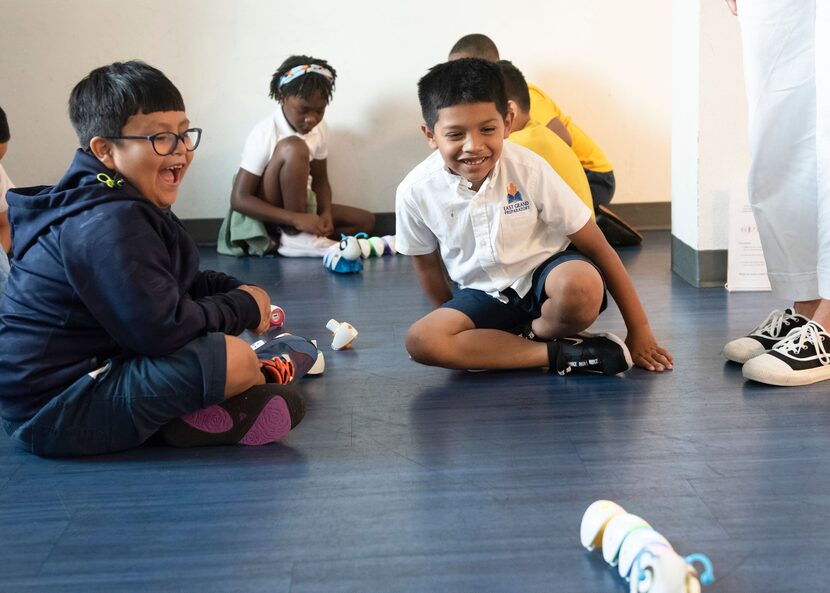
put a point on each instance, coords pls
(771, 370)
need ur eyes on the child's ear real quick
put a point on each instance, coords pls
(103, 151)
(430, 136)
(508, 119)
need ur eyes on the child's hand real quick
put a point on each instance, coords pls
(646, 352)
(310, 223)
(264, 303)
(328, 224)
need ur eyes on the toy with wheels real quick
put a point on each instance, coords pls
(344, 258)
(641, 554)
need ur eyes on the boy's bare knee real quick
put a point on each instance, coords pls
(420, 344)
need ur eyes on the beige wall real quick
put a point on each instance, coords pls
(606, 63)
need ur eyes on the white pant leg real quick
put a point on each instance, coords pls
(823, 143)
(779, 68)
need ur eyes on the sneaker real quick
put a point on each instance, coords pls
(802, 358)
(261, 415)
(774, 328)
(286, 358)
(279, 369)
(304, 245)
(599, 353)
(617, 232)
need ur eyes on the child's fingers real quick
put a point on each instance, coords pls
(650, 362)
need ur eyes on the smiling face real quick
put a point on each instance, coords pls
(303, 114)
(470, 138)
(156, 177)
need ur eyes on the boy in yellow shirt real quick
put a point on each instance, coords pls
(598, 169)
(531, 134)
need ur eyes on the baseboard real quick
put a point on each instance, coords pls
(701, 269)
(645, 216)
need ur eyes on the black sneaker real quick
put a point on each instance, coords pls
(774, 329)
(617, 232)
(598, 353)
(802, 358)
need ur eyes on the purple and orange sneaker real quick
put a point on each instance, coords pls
(263, 414)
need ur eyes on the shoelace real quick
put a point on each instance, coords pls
(279, 369)
(799, 338)
(772, 324)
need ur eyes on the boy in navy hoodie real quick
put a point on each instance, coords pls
(109, 332)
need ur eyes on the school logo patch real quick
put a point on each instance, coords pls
(515, 201)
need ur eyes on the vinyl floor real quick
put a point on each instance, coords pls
(404, 478)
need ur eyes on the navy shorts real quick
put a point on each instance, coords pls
(127, 401)
(488, 312)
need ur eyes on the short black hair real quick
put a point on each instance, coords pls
(107, 97)
(306, 85)
(515, 85)
(459, 82)
(5, 135)
(477, 46)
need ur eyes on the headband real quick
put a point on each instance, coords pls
(298, 71)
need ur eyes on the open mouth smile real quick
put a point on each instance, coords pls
(172, 174)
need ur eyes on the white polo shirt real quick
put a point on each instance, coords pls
(494, 238)
(261, 142)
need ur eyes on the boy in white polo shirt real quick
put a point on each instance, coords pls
(515, 238)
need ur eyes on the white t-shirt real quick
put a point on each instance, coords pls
(492, 239)
(5, 185)
(261, 142)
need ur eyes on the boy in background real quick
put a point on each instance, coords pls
(540, 139)
(502, 222)
(543, 109)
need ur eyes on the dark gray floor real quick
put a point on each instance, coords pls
(407, 478)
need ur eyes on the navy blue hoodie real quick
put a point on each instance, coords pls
(98, 272)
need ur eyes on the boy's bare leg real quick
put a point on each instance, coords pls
(448, 338)
(575, 294)
(242, 367)
(349, 220)
(285, 178)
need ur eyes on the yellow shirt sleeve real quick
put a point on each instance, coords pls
(543, 109)
(559, 155)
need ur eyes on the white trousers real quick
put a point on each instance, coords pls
(786, 46)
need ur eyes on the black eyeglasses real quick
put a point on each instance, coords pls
(165, 143)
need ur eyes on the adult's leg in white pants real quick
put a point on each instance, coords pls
(823, 144)
(779, 66)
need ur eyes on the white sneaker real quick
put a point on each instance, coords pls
(802, 358)
(761, 339)
(304, 245)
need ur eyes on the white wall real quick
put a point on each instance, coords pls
(605, 63)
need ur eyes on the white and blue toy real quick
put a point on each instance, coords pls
(646, 559)
(344, 258)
